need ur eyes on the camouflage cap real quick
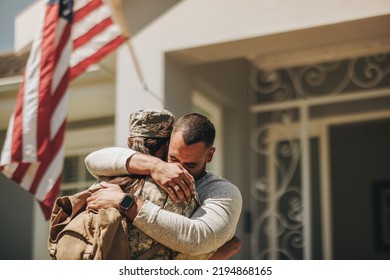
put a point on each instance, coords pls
(151, 123)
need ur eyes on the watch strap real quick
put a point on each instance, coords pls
(127, 201)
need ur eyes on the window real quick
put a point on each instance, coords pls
(205, 106)
(75, 175)
(83, 138)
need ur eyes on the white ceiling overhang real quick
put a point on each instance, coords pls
(299, 47)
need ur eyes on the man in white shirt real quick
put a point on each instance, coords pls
(191, 147)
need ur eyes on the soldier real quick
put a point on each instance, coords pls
(149, 131)
(212, 225)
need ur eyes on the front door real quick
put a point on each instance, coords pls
(360, 186)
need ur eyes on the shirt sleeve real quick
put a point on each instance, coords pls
(108, 161)
(211, 225)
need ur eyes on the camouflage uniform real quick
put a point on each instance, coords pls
(139, 242)
(151, 123)
(156, 124)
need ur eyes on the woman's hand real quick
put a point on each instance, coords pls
(109, 195)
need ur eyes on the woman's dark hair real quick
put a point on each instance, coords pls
(147, 146)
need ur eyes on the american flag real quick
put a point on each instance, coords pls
(71, 36)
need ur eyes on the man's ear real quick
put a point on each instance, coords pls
(210, 155)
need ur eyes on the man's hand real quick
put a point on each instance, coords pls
(176, 180)
(227, 250)
(172, 177)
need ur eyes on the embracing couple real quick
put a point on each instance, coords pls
(170, 199)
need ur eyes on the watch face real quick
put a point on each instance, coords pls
(126, 202)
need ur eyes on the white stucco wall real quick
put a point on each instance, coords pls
(194, 23)
(26, 24)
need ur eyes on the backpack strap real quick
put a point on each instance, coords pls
(53, 251)
(90, 249)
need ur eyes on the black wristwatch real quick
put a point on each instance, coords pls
(126, 202)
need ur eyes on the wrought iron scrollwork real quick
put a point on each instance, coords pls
(279, 199)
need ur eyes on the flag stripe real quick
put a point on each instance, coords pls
(84, 8)
(94, 50)
(98, 28)
(62, 43)
(51, 173)
(63, 66)
(29, 175)
(47, 203)
(33, 151)
(61, 56)
(9, 169)
(60, 111)
(95, 17)
(83, 65)
(95, 43)
(17, 128)
(5, 158)
(48, 157)
(47, 69)
(29, 96)
(20, 171)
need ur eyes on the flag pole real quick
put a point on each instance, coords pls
(116, 7)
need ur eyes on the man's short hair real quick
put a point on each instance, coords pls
(195, 128)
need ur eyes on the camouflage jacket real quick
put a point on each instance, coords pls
(139, 242)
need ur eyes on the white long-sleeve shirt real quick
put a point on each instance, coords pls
(211, 225)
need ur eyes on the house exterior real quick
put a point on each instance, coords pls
(299, 92)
